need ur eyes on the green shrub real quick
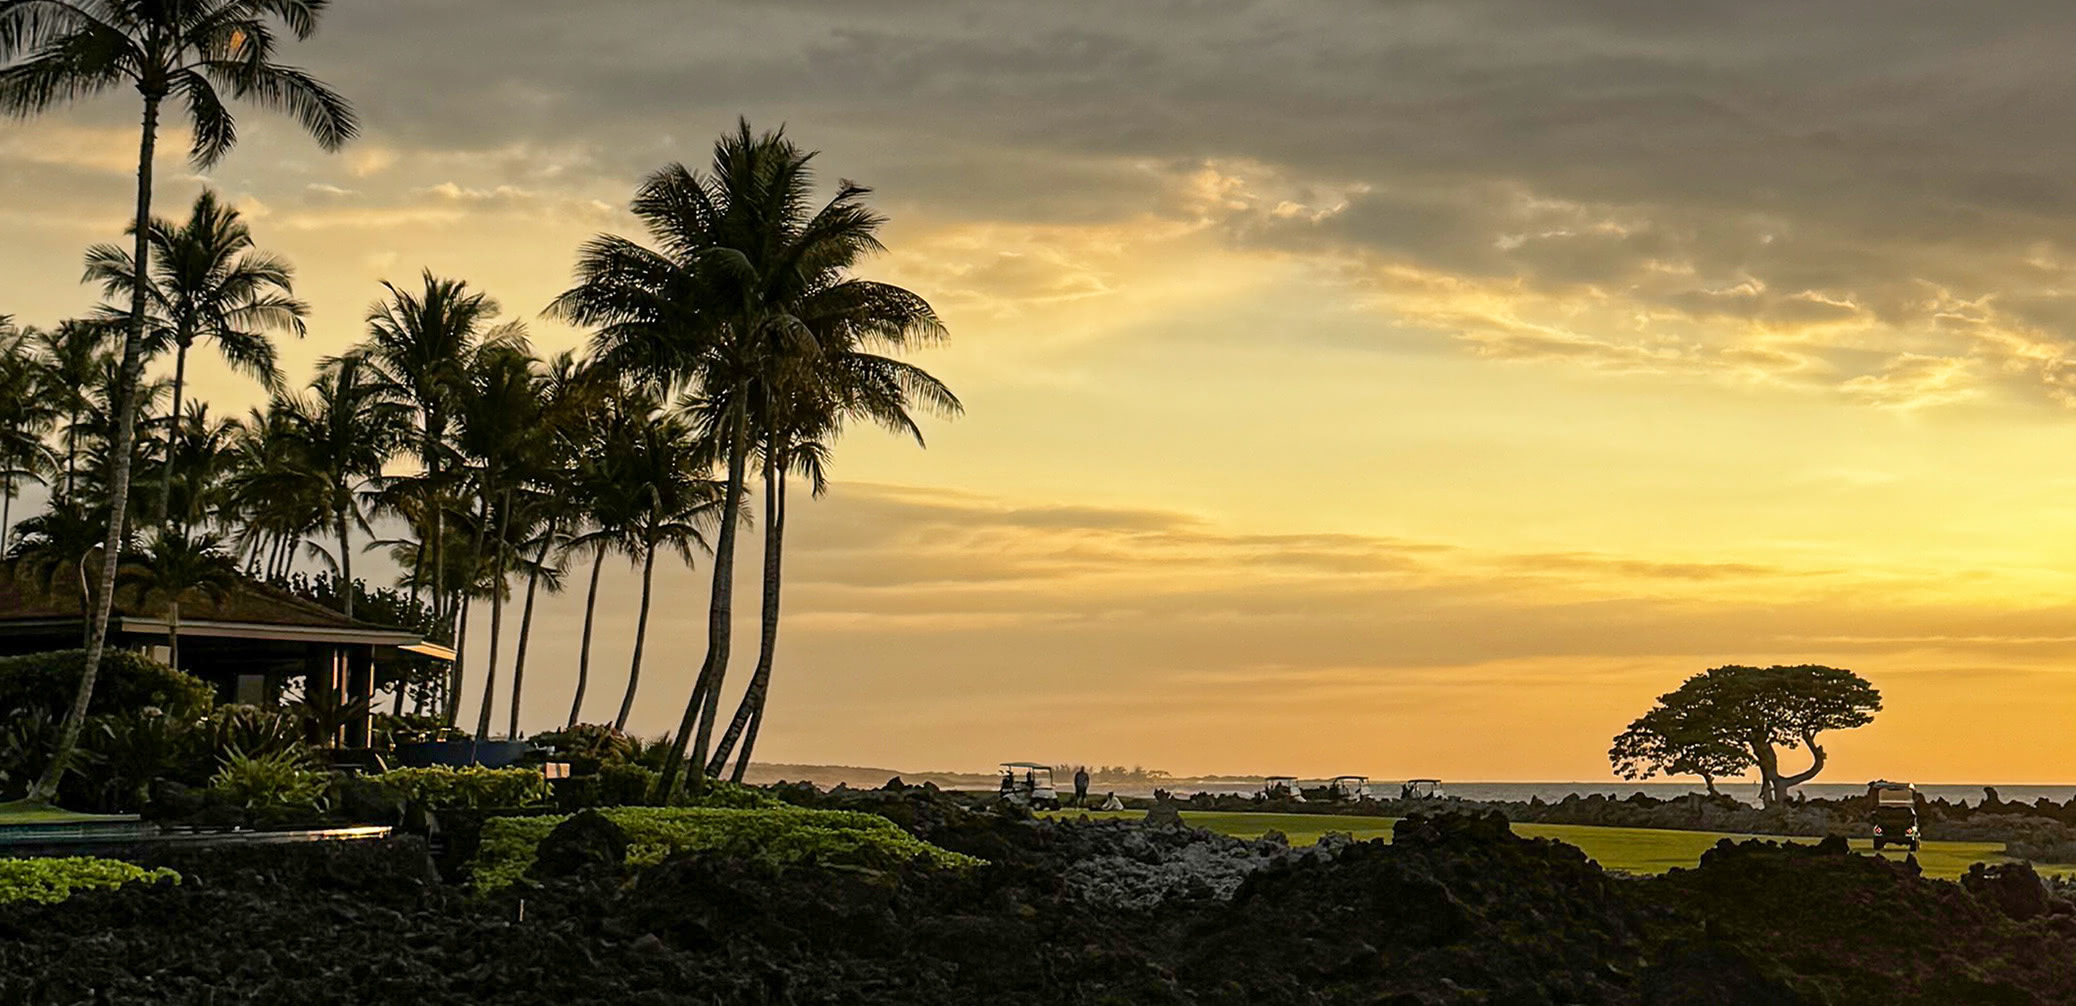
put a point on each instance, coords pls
(251, 730)
(53, 880)
(474, 786)
(127, 682)
(734, 796)
(778, 836)
(279, 779)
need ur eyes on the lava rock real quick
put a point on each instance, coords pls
(588, 840)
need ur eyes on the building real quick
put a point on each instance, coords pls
(251, 646)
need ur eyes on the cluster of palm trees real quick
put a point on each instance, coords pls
(736, 337)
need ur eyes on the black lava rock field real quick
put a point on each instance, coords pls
(1455, 910)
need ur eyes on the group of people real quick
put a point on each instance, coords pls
(1081, 780)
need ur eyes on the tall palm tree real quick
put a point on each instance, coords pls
(58, 51)
(343, 433)
(72, 355)
(804, 408)
(421, 344)
(594, 490)
(501, 430)
(206, 281)
(662, 497)
(26, 414)
(176, 567)
(269, 492)
(570, 391)
(725, 299)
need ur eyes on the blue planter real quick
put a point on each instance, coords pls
(460, 753)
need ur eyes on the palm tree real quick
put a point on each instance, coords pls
(61, 50)
(501, 420)
(197, 455)
(342, 435)
(26, 414)
(51, 552)
(661, 497)
(594, 490)
(175, 566)
(207, 282)
(730, 295)
(421, 344)
(72, 355)
(270, 493)
(570, 392)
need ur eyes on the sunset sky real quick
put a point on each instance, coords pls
(1409, 388)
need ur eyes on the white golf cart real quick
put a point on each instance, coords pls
(1422, 789)
(1349, 787)
(1281, 787)
(1029, 784)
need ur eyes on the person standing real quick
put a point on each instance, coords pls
(1081, 786)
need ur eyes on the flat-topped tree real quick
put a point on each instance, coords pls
(57, 51)
(1727, 719)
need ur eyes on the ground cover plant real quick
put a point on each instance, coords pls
(775, 836)
(53, 880)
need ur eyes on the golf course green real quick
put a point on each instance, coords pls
(1632, 850)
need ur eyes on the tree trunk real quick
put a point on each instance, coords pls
(641, 632)
(767, 638)
(497, 613)
(71, 450)
(1768, 762)
(346, 590)
(173, 427)
(461, 642)
(475, 557)
(707, 689)
(119, 481)
(533, 579)
(173, 633)
(1782, 784)
(6, 512)
(576, 702)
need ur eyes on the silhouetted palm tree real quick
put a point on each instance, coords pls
(421, 344)
(206, 281)
(59, 51)
(72, 355)
(724, 302)
(342, 434)
(175, 567)
(501, 419)
(594, 489)
(50, 554)
(26, 414)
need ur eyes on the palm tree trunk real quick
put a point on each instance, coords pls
(576, 702)
(432, 498)
(706, 690)
(461, 642)
(173, 633)
(533, 579)
(173, 429)
(461, 601)
(346, 590)
(119, 487)
(6, 512)
(497, 617)
(767, 638)
(641, 632)
(71, 449)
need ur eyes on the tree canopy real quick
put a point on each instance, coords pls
(1729, 719)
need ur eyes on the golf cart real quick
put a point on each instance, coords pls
(1893, 813)
(1349, 787)
(1422, 789)
(1029, 784)
(1281, 787)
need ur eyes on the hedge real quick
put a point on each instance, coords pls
(53, 880)
(440, 786)
(778, 836)
(126, 683)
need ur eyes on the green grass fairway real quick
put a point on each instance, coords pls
(24, 812)
(1635, 850)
